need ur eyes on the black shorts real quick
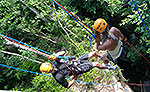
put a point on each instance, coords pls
(84, 64)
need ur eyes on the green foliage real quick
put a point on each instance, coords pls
(22, 21)
(45, 84)
(35, 23)
(96, 8)
(133, 18)
(105, 76)
(14, 77)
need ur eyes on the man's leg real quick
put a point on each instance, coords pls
(98, 65)
(105, 59)
(96, 54)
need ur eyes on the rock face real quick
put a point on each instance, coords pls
(114, 86)
(114, 83)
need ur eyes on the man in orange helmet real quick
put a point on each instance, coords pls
(109, 39)
(60, 69)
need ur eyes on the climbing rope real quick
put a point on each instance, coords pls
(39, 51)
(138, 52)
(75, 18)
(90, 41)
(140, 16)
(93, 36)
(27, 46)
(135, 84)
(21, 56)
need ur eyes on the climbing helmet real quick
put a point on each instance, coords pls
(45, 67)
(100, 25)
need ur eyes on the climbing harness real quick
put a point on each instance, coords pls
(100, 25)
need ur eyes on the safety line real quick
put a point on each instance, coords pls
(20, 56)
(74, 17)
(18, 42)
(21, 43)
(135, 84)
(51, 75)
(90, 42)
(138, 52)
(141, 17)
(31, 47)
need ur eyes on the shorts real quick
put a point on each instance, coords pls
(84, 58)
(116, 60)
(84, 64)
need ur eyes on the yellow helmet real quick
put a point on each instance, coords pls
(45, 67)
(100, 25)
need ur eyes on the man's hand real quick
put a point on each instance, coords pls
(51, 57)
(97, 37)
(72, 81)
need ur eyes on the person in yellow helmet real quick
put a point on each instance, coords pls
(61, 70)
(109, 39)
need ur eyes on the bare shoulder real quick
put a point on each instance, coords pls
(116, 32)
(113, 30)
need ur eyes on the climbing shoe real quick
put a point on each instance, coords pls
(105, 65)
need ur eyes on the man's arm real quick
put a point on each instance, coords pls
(107, 44)
(97, 40)
(72, 81)
(60, 78)
(117, 33)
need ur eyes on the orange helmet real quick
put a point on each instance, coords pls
(45, 67)
(100, 25)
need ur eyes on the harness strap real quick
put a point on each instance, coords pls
(113, 36)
